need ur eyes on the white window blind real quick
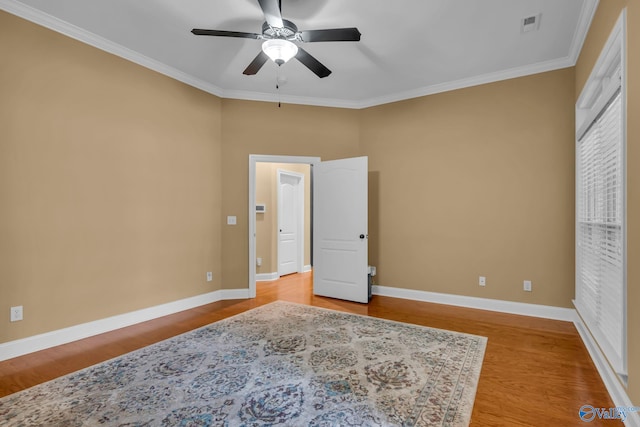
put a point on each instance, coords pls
(600, 252)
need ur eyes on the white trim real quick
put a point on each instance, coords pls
(37, 16)
(587, 13)
(611, 380)
(594, 97)
(55, 24)
(292, 99)
(270, 277)
(513, 73)
(253, 159)
(591, 101)
(267, 277)
(228, 294)
(523, 309)
(39, 342)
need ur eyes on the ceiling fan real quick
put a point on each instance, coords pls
(279, 36)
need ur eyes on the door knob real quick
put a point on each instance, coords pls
(362, 236)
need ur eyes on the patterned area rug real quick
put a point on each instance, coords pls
(279, 364)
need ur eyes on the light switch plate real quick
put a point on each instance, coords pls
(231, 220)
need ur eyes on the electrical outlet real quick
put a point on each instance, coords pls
(209, 276)
(16, 313)
(527, 285)
(482, 281)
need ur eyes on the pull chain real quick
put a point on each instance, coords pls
(278, 85)
(278, 89)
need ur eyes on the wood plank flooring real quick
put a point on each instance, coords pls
(536, 372)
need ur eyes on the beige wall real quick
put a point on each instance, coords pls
(110, 184)
(468, 183)
(265, 239)
(267, 223)
(474, 182)
(263, 128)
(113, 191)
(604, 20)
(442, 211)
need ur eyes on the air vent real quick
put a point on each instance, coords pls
(530, 23)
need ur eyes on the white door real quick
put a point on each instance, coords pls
(290, 222)
(340, 229)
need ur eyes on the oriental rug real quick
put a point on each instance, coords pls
(281, 364)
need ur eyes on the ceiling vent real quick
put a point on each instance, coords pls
(530, 23)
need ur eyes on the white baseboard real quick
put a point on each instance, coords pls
(270, 277)
(235, 294)
(267, 277)
(524, 309)
(615, 388)
(24, 346)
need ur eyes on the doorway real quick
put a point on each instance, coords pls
(340, 232)
(254, 217)
(283, 219)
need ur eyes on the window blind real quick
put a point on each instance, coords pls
(600, 258)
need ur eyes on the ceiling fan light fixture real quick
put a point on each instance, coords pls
(279, 50)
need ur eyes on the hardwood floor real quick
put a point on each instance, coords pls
(536, 372)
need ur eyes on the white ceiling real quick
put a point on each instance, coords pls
(409, 48)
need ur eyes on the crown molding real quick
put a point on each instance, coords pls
(38, 17)
(291, 99)
(587, 13)
(582, 29)
(513, 73)
(34, 15)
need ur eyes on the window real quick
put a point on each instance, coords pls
(600, 204)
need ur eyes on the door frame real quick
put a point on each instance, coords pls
(299, 213)
(257, 158)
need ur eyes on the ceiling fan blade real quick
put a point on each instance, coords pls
(199, 32)
(312, 63)
(272, 14)
(333, 35)
(256, 64)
